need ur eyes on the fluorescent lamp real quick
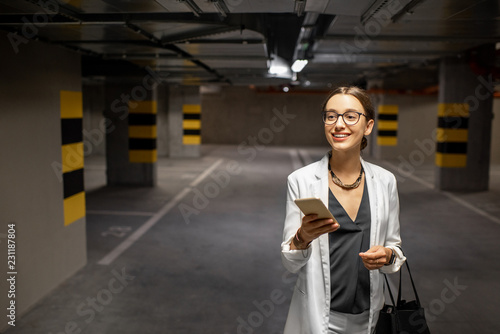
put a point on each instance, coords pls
(278, 67)
(299, 65)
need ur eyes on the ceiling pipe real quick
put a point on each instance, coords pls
(192, 7)
(181, 53)
(374, 8)
(408, 9)
(300, 7)
(221, 7)
(57, 9)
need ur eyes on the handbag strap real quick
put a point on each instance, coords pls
(412, 284)
(389, 289)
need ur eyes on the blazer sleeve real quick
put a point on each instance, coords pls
(393, 237)
(295, 259)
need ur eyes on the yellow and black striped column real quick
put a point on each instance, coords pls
(452, 134)
(387, 134)
(142, 131)
(191, 124)
(72, 155)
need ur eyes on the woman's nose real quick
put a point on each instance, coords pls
(340, 122)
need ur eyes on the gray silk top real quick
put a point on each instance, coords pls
(350, 280)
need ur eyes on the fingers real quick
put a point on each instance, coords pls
(374, 253)
(309, 218)
(313, 227)
(374, 258)
(373, 264)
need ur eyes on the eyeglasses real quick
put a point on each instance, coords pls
(350, 117)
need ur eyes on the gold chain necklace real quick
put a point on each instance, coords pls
(341, 184)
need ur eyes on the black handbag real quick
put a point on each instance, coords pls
(403, 317)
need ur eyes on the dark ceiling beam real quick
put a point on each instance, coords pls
(96, 66)
(407, 9)
(314, 26)
(56, 10)
(414, 38)
(281, 31)
(146, 56)
(121, 18)
(392, 53)
(183, 54)
(148, 43)
(198, 34)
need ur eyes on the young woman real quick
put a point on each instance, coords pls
(339, 287)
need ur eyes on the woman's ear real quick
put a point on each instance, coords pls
(369, 127)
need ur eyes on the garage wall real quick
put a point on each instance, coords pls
(31, 196)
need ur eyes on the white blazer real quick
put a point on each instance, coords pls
(310, 306)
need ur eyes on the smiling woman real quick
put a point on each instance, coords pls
(344, 259)
(358, 99)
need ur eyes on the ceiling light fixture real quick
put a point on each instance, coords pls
(192, 6)
(299, 65)
(300, 6)
(278, 67)
(221, 7)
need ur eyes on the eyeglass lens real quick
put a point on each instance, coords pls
(350, 117)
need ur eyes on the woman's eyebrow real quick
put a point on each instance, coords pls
(348, 109)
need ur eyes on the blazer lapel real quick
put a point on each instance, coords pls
(320, 190)
(372, 193)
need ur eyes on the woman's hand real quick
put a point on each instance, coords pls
(376, 257)
(311, 228)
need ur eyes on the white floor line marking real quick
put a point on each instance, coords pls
(120, 213)
(294, 155)
(449, 195)
(117, 251)
(306, 157)
(472, 207)
(205, 173)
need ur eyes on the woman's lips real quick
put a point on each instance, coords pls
(340, 136)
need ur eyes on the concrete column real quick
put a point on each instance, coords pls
(384, 136)
(184, 121)
(465, 114)
(131, 133)
(94, 124)
(33, 173)
(163, 120)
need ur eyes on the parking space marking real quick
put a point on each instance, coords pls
(116, 252)
(451, 196)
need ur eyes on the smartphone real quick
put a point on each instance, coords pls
(314, 205)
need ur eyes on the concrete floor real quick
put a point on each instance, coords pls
(200, 253)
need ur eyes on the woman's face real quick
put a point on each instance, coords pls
(343, 137)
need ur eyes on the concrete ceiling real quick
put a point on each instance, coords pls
(233, 41)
